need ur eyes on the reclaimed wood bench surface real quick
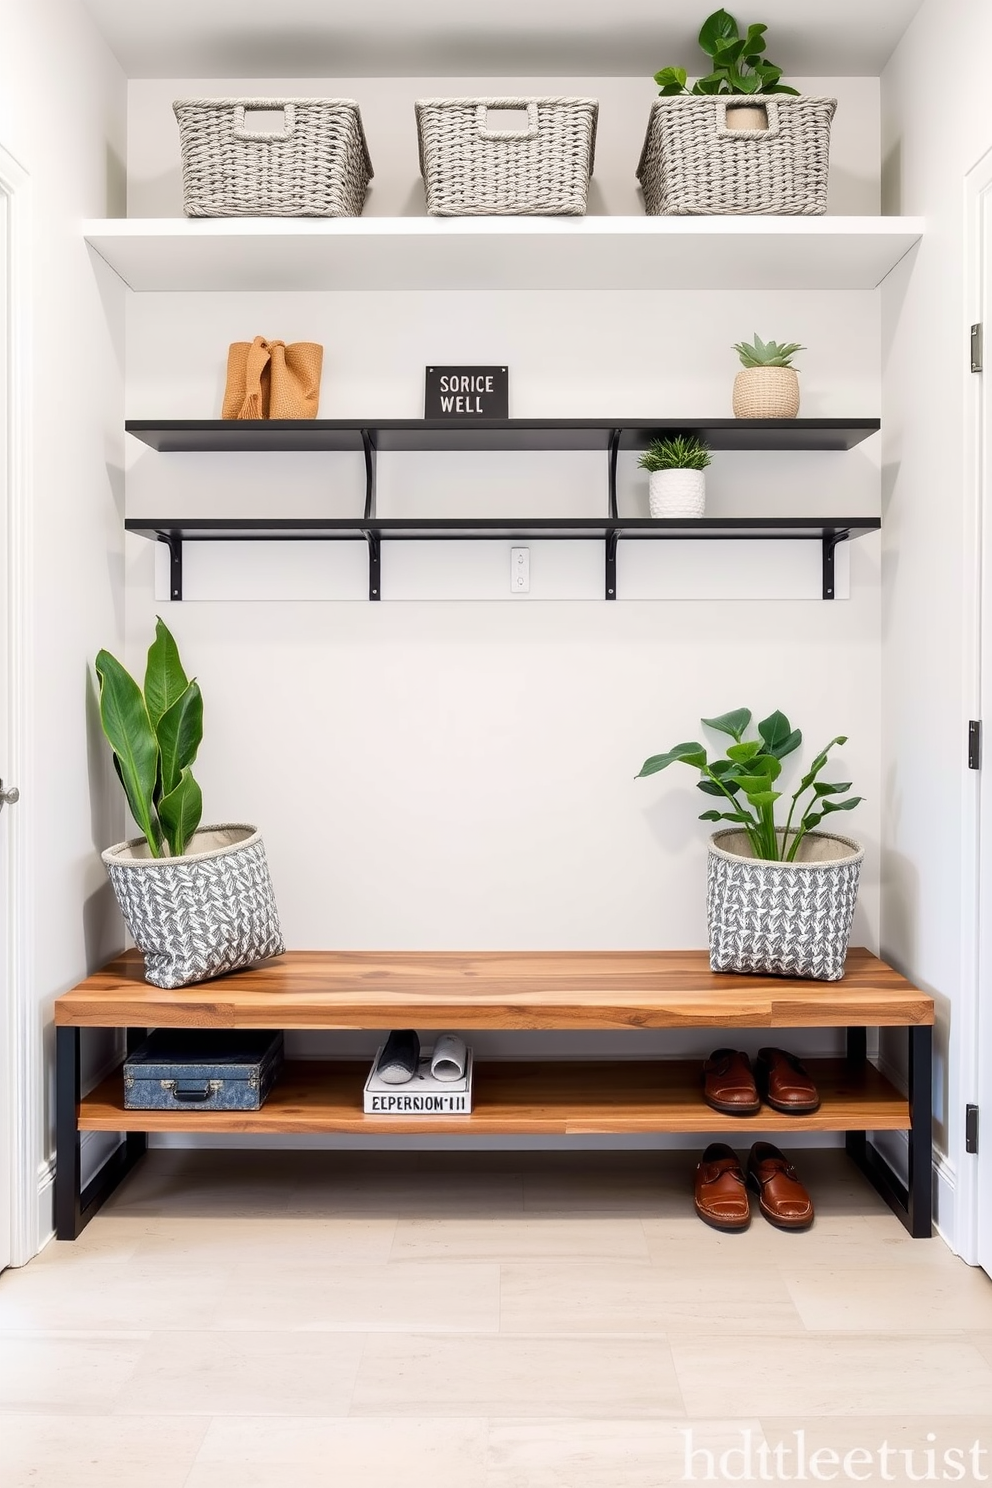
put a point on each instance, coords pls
(496, 989)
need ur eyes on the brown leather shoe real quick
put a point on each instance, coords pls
(720, 1190)
(728, 1083)
(783, 1199)
(784, 1082)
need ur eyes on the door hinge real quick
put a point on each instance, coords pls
(977, 347)
(974, 744)
(971, 1128)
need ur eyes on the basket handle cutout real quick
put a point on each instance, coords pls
(771, 124)
(494, 123)
(264, 125)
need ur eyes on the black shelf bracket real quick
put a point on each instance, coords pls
(830, 541)
(611, 564)
(370, 470)
(615, 436)
(174, 543)
(375, 565)
(372, 538)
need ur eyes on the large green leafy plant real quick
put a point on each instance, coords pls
(737, 63)
(746, 777)
(155, 734)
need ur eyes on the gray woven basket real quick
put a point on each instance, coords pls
(193, 917)
(693, 165)
(539, 169)
(316, 165)
(787, 919)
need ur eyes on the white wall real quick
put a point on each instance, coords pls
(928, 636)
(63, 116)
(461, 774)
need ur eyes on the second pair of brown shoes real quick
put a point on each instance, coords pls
(731, 1086)
(721, 1189)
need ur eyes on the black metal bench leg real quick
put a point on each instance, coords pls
(920, 1197)
(68, 1219)
(912, 1202)
(857, 1053)
(74, 1205)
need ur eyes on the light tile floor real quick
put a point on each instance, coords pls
(525, 1320)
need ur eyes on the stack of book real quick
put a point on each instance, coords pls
(423, 1095)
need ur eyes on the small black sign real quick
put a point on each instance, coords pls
(467, 393)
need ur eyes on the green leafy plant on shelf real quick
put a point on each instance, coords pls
(758, 353)
(680, 452)
(154, 735)
(737, 63)
(746, 777)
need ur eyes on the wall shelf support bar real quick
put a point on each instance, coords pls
(830, 542)
(615, 436)
(174, 543)
(612, 539)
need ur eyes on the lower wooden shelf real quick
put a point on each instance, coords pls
(563, 1098)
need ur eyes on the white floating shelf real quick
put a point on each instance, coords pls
(379, 253)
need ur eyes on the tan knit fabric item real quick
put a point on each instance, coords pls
(268, 379)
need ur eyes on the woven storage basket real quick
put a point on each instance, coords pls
(210, 911)
(693, 165)
(540, 168)
(317, 165)
(787, 919)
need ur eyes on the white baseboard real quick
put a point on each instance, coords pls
(44, 1208)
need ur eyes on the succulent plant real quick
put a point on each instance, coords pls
(758, 353)
(679, 452)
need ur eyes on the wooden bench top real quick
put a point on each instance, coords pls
(495, 989)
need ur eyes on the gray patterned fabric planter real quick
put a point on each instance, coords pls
(210, 911)
(787, 919)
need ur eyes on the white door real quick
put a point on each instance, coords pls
(973, 1035)
(18, 1207)
(6, 990)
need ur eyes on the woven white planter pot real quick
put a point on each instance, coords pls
(677, 493)
(210, 911)
(786, 919)
(766, 392)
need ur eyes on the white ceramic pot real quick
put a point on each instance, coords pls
(766, 392)
(677, 493)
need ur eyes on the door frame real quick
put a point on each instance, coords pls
(971, 1074)
(22, 1079)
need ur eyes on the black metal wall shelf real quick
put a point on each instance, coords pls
(175, 531)
(188, 436)
(184, 436)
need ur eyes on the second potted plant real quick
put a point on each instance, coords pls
(197, 901)
(677, 480)
(739, 140)
(768, 386)
(780, 898)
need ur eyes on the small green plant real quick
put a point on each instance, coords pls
(154, 735)
(737, 62)
(746, 776)
(680, 452)
(758, 353)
